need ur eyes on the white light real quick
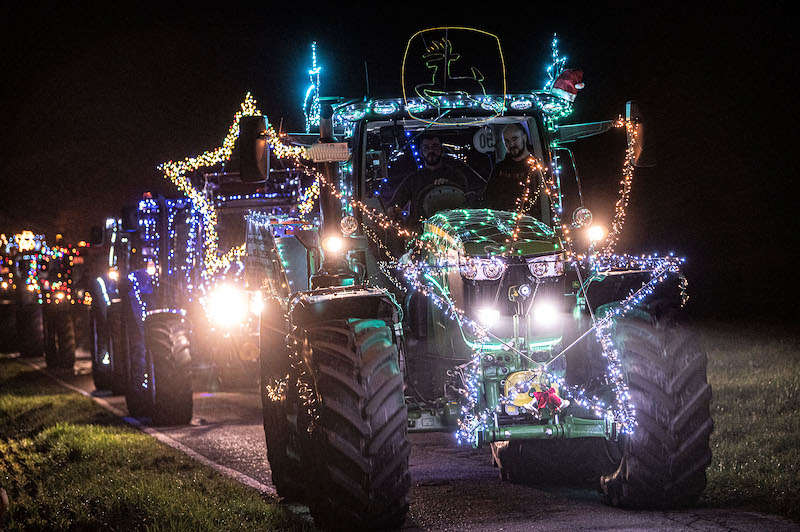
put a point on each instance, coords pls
(545, 313)
(596, 233)
(227, 305)
(488, 316)
(333, 244)
(151, 268)
(113, 274)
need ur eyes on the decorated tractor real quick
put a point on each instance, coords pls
(168, 308)
(65, 301)
(444, 288)
(21, 259)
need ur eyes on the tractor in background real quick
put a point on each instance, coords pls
(65, 301)
(162, 320)
(21, 258)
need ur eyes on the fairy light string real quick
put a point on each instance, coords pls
(471, 421)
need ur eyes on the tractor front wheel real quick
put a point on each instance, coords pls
(160, 376)
(664, 460)
(358, 446)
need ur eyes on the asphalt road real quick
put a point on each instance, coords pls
(453, 488)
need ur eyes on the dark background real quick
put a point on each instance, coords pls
(93, 101)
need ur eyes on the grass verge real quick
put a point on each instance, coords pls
(68, 464)
(755, 377)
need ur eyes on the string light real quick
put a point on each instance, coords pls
(311, 107)
(626, 183)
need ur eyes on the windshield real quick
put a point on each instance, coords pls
(416, 169)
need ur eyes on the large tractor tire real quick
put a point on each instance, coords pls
(358, 446)
(279, 402)
(662, 464)
(664, 461)
(109, 370)
(30, 335)
(59, 339)
(160, 373)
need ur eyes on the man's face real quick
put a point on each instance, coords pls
(514, 138)
(432, 151)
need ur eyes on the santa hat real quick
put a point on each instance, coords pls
(568, 84)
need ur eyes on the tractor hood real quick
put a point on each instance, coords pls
(482, 232)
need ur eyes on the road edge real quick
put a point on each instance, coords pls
(238, 476)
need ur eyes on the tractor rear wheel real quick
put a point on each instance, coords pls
(358, 446)
(664, 460)
(160, 385)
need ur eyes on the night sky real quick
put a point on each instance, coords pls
(92, 102)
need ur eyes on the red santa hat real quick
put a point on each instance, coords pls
(568, 84)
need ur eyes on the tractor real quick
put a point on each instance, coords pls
(21, 259)
(65, 301)
(513, 326)
(162, 321)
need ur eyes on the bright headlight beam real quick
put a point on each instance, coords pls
(227, 305)
(333, 244)
(545, 313)
(488, 316)
(596, 233)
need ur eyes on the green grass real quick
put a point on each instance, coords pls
(68, 464)
(755, 376)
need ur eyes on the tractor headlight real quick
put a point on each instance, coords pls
(482, 269)
(227, 305)
(596, 233)
(488, 316)
(333, 244)
(547, 266)
(545, 313)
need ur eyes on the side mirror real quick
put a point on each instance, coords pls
(96, 235)
(130, 220)
(634, 114)
(253, 149)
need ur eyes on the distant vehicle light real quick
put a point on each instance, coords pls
(227, 305)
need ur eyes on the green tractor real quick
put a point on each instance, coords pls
(411, 307)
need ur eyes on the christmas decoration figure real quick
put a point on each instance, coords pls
(567, 85)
